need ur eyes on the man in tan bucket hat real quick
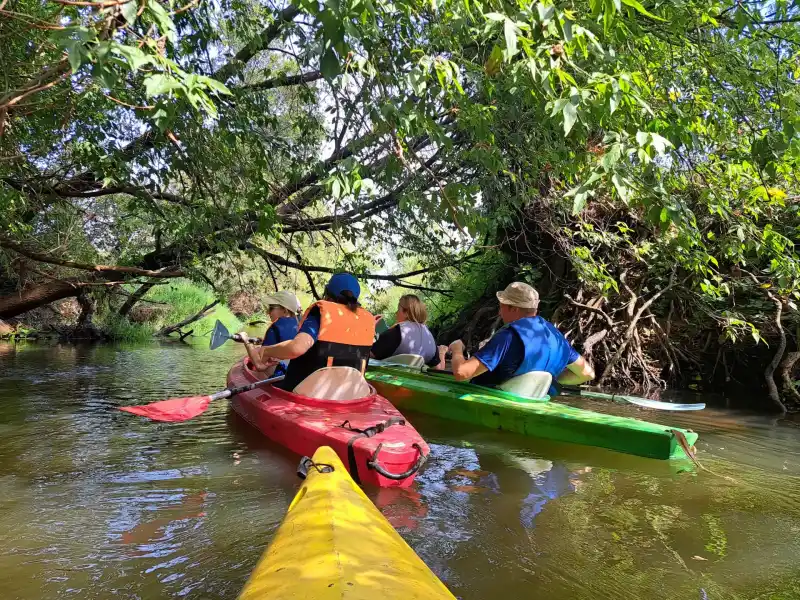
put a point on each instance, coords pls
(526, 343)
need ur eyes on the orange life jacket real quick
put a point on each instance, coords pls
(345, 340)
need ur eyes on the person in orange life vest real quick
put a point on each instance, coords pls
(526, 343)
(335, 331)
(283, 312)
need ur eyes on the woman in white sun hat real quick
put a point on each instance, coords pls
(284, 308)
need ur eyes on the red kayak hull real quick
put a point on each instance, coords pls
(303, 424)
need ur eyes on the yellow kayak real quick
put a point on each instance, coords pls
(334, 543)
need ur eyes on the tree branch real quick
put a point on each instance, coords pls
(257, 44)
(38, 257)
(396, 279)
(282, 81)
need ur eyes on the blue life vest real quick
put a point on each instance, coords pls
(285, 329)
(546, 348)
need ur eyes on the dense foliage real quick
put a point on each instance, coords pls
(638, 161)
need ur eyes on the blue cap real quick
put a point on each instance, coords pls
(341, 282)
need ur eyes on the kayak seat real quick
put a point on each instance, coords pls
(334, 383)
(535, 384)
(409, 360)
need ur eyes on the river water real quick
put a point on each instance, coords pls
(96, 503)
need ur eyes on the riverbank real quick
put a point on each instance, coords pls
(162, 306)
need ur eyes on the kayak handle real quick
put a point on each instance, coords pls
(307, 463)
(373, 464)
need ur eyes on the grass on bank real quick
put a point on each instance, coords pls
(181, 298)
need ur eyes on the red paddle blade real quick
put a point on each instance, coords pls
(173, 410)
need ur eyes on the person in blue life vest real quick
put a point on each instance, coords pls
(334, 331)
(409, 334)
(284, 308)
(526, 343)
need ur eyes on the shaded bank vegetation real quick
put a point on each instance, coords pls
(636, 161)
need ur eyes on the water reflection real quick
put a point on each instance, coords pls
(96, 503)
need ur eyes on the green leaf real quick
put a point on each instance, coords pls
(567, 27)
(612, 156)
(75, 54)
(642, 137)
(493, 16)
(494, 62)
(329, 64)
(214, 85)
(558, 106)
(613, 101)
(160, 83)
(622, 189)
(579, 202)
(162, 19)
(510, 31)
(133, 55)
(570, 116)
(635, 5)
(545, 12)
(418, 81)
(660, 144)
(129, 11)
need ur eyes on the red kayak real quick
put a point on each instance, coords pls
(375, 441)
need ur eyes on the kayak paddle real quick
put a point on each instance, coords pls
(220, 335)
(656, 404)
(175, 410)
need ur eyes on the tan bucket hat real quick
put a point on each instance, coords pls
(285, 299)
(519, 294)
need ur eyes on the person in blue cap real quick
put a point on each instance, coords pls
(335, 331)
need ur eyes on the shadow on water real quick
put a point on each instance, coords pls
(97, 503)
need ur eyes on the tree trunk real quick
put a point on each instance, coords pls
(5, 328)
(134, 298)
(786, 367)
(85, 328)
(769, 373)
(17, 303)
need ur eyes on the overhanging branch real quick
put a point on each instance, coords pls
(282, 81)
(45, 258)
(395, 279)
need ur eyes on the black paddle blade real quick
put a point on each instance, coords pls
(219, 336)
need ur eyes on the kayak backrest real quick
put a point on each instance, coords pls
(409, 360)
(535, 384)
(334, 383)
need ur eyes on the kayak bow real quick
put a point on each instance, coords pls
(333, 543)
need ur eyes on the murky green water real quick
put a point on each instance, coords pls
(95, 503)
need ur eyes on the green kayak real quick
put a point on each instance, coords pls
(442, 396)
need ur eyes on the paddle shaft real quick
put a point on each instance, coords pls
(228, 392)
(237, 338)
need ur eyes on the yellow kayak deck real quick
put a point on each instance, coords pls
(334, 543)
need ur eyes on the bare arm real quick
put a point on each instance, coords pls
(290, 349)
(465, 369)
(576, 373)
(254, 352)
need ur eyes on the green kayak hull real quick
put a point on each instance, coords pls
(444, 397)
